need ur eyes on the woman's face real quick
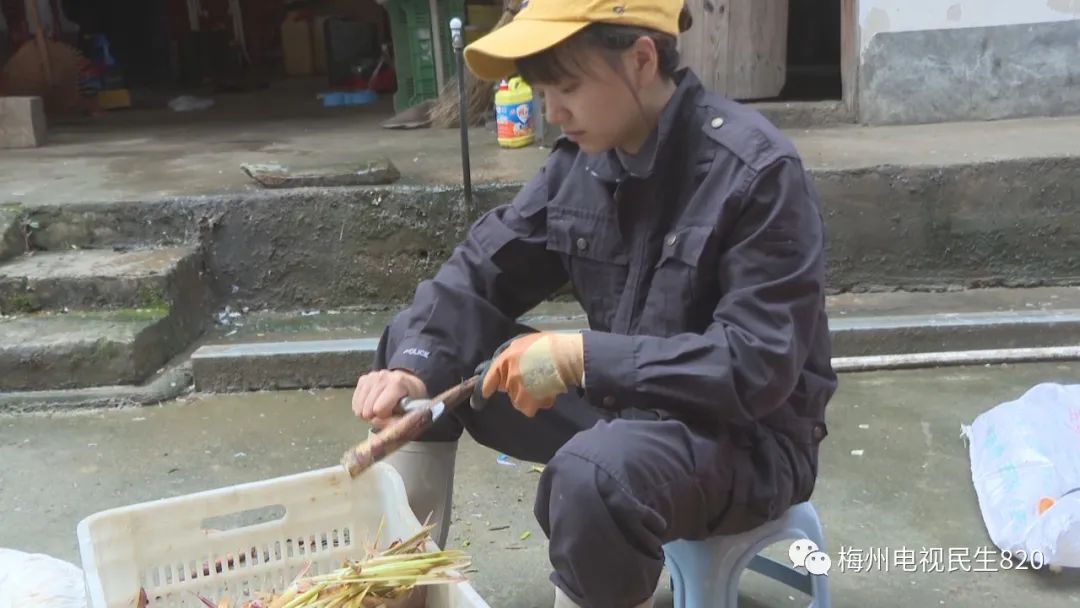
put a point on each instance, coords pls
(596, 108)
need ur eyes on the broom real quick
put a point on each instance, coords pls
(55, 79)
(478, 94)
(44, 67)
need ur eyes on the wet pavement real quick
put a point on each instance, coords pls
(894, 476)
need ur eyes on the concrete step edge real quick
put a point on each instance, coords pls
(964, 319)
(990, 356)
(171, 383)
(339, 362)
(283, 348)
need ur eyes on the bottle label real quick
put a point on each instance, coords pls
(514, 120)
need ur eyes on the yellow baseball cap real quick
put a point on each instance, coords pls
(542, 24)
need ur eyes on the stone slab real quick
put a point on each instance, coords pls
(281, 365)
(22, 122)
(970, 74)
(378, 172)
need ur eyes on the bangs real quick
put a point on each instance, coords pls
(566, 60)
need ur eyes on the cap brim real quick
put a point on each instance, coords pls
(492, 57)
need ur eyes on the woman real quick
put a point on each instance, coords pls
(694, 403)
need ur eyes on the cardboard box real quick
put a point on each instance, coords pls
(318, 38)
(297, 45)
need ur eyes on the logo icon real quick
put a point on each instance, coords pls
(799, 550)
(818, 563)
(804, 553)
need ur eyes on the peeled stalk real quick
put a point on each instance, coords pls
(390, 574)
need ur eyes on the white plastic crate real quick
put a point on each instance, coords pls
(172, 547)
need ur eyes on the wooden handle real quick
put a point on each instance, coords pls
(34, 20)
(403, 430)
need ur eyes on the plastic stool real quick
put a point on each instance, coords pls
(705, 573)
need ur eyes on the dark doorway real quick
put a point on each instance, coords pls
(136, 31)
(813, 51)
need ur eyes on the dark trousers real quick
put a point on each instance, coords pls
(617, 486)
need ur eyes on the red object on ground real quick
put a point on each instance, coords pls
(383, 82)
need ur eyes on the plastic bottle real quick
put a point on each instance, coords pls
(514, 115)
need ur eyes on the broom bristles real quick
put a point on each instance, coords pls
(24, 74)
(479, 95)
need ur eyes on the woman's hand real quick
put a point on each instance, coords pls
(378, 393)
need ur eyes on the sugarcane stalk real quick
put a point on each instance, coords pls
(285, 598)
(448, 555)
(420, 565)
(303, 598)
(403, 430)
(366, 594)
(416, 541)
(334, 601)
(391, 574)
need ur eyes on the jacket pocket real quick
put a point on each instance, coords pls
(679, 283)
(595, 259)
(585, 235)
(685, 245)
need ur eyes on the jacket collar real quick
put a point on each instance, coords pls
(608, 167)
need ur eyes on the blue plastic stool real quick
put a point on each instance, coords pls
(705, 573)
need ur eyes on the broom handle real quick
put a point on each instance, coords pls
(436, 40)
(458, 39)
(54, 10)
(403, 430)
(39, 36)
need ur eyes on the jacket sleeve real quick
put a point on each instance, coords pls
(500, 271)
(749, 359)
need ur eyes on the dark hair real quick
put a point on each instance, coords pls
(565, 60)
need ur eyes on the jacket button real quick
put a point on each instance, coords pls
(582, 244)
(672, 239)
(717, 122)
(609, 401)
(819, 432)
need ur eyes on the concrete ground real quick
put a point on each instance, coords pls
(894, 475)
(146, 154)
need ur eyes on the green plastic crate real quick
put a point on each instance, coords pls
(414, 53)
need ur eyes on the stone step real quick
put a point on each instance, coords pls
(95, 317)
(331, 348)
(88, 279)
(12, 240)
(969, 205)
(280, 350)
(87, 349)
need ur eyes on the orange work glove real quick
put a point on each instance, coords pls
(533, 370)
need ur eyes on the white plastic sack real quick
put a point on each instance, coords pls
(1025, 464)
(188, 103)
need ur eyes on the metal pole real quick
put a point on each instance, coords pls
(463, 110)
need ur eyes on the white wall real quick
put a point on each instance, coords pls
(877, 16)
